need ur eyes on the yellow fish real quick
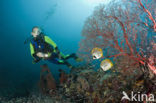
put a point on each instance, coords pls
(106, 64)
(97, 53)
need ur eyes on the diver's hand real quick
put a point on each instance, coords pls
(35, 61)
(40, 54)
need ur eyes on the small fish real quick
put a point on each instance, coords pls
(97, 53)
(106, 64)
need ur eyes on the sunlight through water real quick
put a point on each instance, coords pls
(95, 2)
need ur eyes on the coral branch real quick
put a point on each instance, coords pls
(149, 15)
(124, 32)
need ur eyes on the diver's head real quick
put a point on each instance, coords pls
(36, 31)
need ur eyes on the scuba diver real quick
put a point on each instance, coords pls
(43, 48)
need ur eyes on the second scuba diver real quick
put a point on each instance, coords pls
(43, 48)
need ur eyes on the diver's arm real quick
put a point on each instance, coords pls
(33, 54)
(50, 41)
(36, 58)
(32, 49)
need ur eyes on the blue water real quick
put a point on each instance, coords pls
(62, 20)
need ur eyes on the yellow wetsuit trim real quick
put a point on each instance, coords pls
(64, 56)
(32, 49)
(49, 41)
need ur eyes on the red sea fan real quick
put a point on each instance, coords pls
(124, 28)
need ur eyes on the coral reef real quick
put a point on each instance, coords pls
(91, 87)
